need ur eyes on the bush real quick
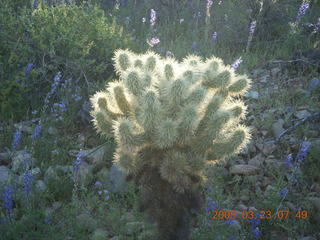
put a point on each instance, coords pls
(76, 41)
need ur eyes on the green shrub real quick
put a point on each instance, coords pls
(77, 41)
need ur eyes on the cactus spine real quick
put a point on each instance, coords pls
(169, 119)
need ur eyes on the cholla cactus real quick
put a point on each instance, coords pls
(169, 119)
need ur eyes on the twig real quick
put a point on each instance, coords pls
(297, 124)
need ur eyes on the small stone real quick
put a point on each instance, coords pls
(313, 84)
(270, 188)
(275, 71)
(40, 186)
(21, 160)
(252, 94)
(134, 227)
(244, 169)
(269, 147)
(257, 160)
(277, 128)
(302, 114)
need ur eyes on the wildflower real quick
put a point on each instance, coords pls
(98, 183)
(54, 151)
(283, 192)
(209, 4)
(181, 20)
(8, 199)
(288, 161)
(153, 41)
(77, 162)
(317, 26)
(34, 112)
(302, 10)
(236, 64)
(256, 233)
(153, 18)
(252, 27)
(303, 151)
(47, 220)
(105, 192)
(28, 69)
(230, 221)
(36, 133)
(16, 139)
(143, 19)
(169, 54)
(214, 37)
(212, 205)
(26, 183)
(54, 85)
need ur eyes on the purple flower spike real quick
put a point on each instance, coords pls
(8, 199)
(214, 37)
(16, 139)
(252, 27)
(302, 10)
(303, 151)
(283, 192)
(169, 54)
(153, 17)
(288, 161)
(153, 41)
(28, 69)
(236, 64)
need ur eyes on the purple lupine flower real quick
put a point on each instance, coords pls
(77, 162)
(252, 28)
(283, 192)
(212, 205)
(47, 220)
(169, 54)
(288, 161)
(214, 37)
(153, 41)
(230, 221)
(28, 69)
(153, 17)
(209, 3)
(54, 85)
(98, 183)
(16, 139)
(317, 27)
(303, 151)
(26, 183)
(8, 199)
(36, 132)
(256, 233)
(236, 64)
(302, 10)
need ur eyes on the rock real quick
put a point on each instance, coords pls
(134, 227)
(302, 114)
(269, 147)
(52, 131)
(257, 160)
(315, 201)
(242, 207)
(21, 160)
(244, 169)
(40, 186)
(313, 84)
(245, 195)
(252, 94)
(277, 128)
(116, 179)
(50, 175)
(275, 71)
(99, 234)
(4, 158)
(5, 174)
